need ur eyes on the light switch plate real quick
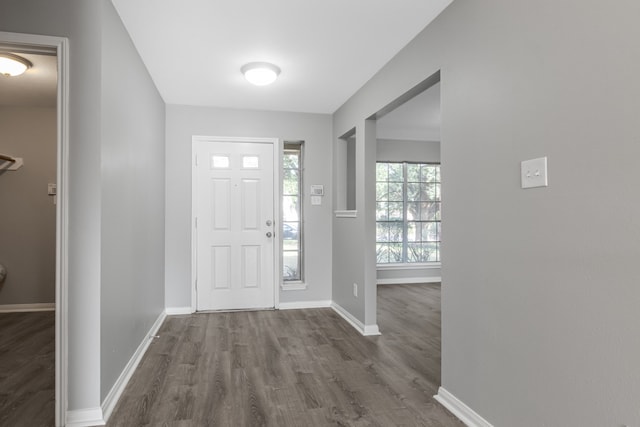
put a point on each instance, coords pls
(316, 200)
(533, 173)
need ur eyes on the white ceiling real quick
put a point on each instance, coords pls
(416, 120)
(326, 49)
(325, 57)
(35, 88)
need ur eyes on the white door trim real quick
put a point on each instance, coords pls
(277, 207)
(61, 44)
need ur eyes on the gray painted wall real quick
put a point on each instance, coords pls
(392, 150)
(548, 334)
(343, 268)
(132, 172)
(78, 20)
(315, 129)
(28, 215)
(397, 150)
(84, 24)
(351, 173)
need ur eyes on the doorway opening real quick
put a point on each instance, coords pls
(408, 190)
(408, 218)
(36, 105)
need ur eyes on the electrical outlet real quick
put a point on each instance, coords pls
(355, 289)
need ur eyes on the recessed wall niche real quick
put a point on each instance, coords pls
(346, 163)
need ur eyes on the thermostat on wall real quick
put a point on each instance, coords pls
(317, 190)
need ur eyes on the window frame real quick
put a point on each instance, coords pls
(298, 282)
(405, 222)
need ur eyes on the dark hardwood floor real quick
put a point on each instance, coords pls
(293, 368)
(27, 369)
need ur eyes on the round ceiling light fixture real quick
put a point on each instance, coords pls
(260, 73)
(13, 65)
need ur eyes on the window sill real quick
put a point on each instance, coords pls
(293, 286)
(408, 266)
(346, 214)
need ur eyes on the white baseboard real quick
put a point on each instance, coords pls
(460, 410)
(19, 308)
(409, 280)
(297, 305)
(112, 398)
(85, 418)
(365, 330)
(175, 311)
(371, 330)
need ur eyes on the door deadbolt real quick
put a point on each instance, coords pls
(269, 222)
(269, 234)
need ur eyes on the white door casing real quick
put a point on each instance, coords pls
(61, 46)
(235, 213)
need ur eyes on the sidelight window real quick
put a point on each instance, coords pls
(292, 232)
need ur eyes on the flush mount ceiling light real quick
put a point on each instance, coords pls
(260, 73)
(13, 65)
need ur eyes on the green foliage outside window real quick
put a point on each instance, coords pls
(292, 212)
(407, 212)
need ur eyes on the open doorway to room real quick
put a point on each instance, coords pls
(32, 226)
(408, 228)
(28, 245)
(408, 191)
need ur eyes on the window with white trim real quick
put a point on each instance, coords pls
(292, 213)
(407, 212)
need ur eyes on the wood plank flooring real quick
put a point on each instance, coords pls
(293, 368)
(27, 369)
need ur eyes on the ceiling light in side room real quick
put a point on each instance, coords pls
(260, 73)
(13, 65)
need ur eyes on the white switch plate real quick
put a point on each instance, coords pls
(316, 200)
(533, 173)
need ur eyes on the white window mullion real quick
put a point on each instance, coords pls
(405, 225)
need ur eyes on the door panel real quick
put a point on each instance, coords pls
(221, 267)
(235, 246)
(251, 266)
(221, 214)
(250, 206)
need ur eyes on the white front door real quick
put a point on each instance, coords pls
(234, 209)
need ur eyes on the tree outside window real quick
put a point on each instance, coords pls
(407, 212)
(292, 212)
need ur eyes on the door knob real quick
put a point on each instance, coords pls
(269, 234)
